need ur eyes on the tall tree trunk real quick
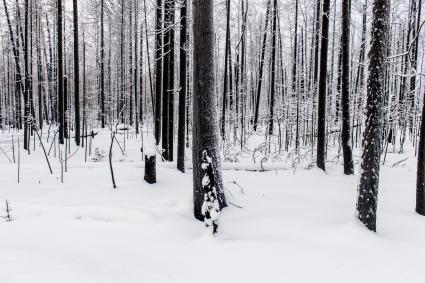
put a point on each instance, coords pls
(273, 67)
(102, 64)
(27, 79)
(60, 92)
(205, 127)
(182, 92)
(420, 177)
(371, 144)
(345, 87)
(321, 121)
(19, 86)
(414, 63)
(76, 75)
(165, 81)
(158, 70)
(316, 43)
(260, 75)
(226, 71)
(171, 7)
(122, 70)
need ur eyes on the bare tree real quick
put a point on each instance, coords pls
(371, 143)
(205, 123)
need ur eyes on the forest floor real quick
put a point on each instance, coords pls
(293, 225)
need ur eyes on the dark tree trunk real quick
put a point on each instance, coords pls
(273, 67)
(420, 178)
(137, 84)
(182, 92)
(102, 64)
(345, 87)
(39, 75)
(316, 43)
(321, 121)
(150, 169)
(27, 79)
(122, 84)
(226, 71)
(158, 70)
(414, 62)
(130, 81)
(205, 126)
(76, 75)
(168, 83)
(294, 60)
(60, 92)
(260, 75)
(171, 8)
(19, 87)
(371, 144)
(165, 82)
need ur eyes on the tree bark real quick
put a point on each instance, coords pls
(345, 88)
(260, 76)
(182, 93)
(321, 121)
(150, 169)
(76, 75)
(273, 67)
(205, 116)
(60, 92)
(27, 118)
(371, 143)
(158, 70)
(102, 64)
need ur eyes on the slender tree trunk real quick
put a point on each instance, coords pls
(205, 127)
(60, 92)
(371, 144)
(321, 121)
(158, 70)
(345, 88)
(122, 68)
(182, 92)
(102, 64)
(27, 121)
(316, 43)
(420, 177)
(273, 67)
(76, 75)
(171, 7)
(165, 80)
(260, 75)
(226, 71)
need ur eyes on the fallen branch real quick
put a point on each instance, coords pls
(398, 162)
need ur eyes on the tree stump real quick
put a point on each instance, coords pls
(150, 169)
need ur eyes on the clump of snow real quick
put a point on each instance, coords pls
(210, 207)
(149, 150)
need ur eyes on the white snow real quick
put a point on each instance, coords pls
(295, 225)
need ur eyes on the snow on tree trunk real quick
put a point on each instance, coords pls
(210, 206)
(371, 143)
(205, 120)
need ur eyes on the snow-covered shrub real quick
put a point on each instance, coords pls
(8, 209)
(98, 155)
(210, 206)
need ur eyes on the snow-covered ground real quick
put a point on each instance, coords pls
(294, 225)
